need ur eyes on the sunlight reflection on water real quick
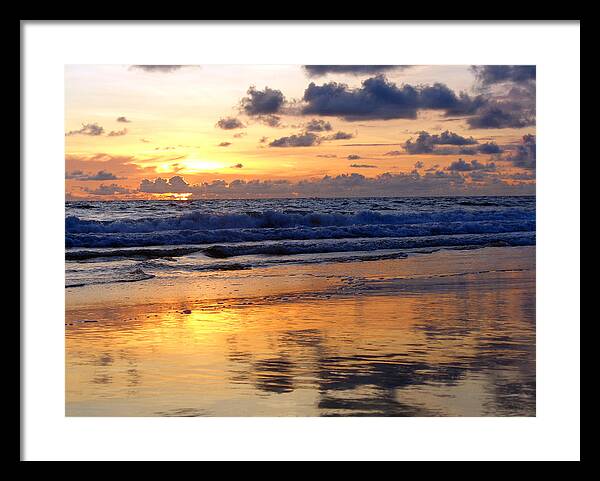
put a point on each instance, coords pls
(459, 348)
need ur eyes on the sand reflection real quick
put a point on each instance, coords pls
(456, 348)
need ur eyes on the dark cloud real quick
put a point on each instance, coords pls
(352, 185)
(426, 142)
(111, 189)
(175, 184)
(525, 155)
(270, 120)
(261, 102)
(493, 74)
(318, 126)
(229, 123)
(224, 144)
(158, 68)
(237, 166)
(340, 136)
(123, 119)
(419, 164)
(300, 140)
(353, 157)
(450, 138)
(378, 98)
(101, 175)
(74, 174)
(394, 153)
(117, 133)
(321, 70)
(239, 135)
(462, 166)
(502, 115)
(263, 140)
(363, 166)
(490, 148)
(87, 129)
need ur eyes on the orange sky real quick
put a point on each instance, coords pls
(124, 124)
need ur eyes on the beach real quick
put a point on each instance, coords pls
(444, 332)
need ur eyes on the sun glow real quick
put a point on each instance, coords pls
(189, 166)
(197, 165)
(172, 196)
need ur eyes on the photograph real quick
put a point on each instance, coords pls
(299, 240)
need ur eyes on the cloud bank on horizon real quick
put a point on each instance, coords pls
(455, 130)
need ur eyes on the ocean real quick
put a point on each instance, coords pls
(301, 307)
(128, 241)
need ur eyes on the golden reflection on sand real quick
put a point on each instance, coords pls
(375, 344)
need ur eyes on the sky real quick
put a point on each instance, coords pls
(260, 131)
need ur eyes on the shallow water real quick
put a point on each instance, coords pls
(444, 334)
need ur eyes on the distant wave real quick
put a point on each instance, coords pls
(232, 235)
(291, 248)
(80, 255)
(201, 221)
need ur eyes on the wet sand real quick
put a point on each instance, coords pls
(451, 333)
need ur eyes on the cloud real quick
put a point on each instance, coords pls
(425, 142)
(351, 185)
(525, 155)
(123, 119)
(327, 156)
(461, 166)
(87, 129)
(117, 133)
(175, 184)
(318, 126)
(378, 98)
(237, 166)
(450, 138)
(502, 115)
(261, 102)
(363, 166)
(111, 189)
(229, 123)
(419, 164)
(494, 74)
(269, 120)
(101, 175)
(307, 139)
(224, 144)
(239, 135)
(353, 157)
(490, 148)
(74, 174)
(394, 153)
(84, 165)
(321, 70)
(158, 68)
(340, 136)
(263, 140)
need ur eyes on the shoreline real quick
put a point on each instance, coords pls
(299, 279)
